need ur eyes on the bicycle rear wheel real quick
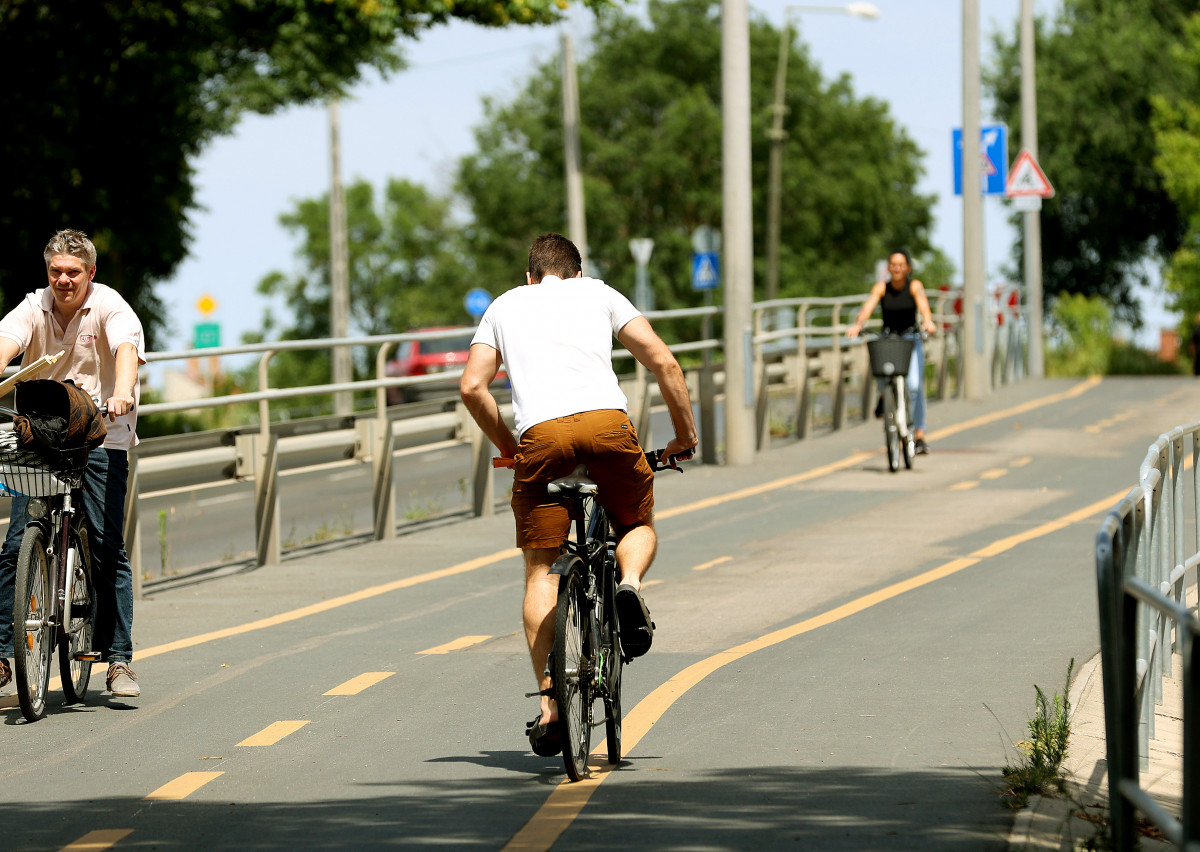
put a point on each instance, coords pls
(33, 635)
(76, 673)
(891, 435)
(573, 668)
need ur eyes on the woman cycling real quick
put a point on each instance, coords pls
(901, 298)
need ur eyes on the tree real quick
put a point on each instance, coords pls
(651, 145)
(1099, 67)
(106, 104)
(406, 270)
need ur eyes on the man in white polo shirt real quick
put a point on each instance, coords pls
(104, 346)
(554, 338)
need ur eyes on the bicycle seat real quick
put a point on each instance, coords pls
(576, 482)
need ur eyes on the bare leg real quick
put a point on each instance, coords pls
(636, 548)
(541, 603)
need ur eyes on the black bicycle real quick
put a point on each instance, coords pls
(891, 354)
(54, 601)
(587, 660)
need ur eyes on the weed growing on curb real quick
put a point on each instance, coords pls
(1040, 768)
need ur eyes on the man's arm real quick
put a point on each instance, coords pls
(640, 339)
(121, 402)
(9, 349)
(483, 363)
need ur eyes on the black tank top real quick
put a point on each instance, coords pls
(899, 308)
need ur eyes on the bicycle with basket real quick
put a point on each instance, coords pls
(890, 354)
(54, 604)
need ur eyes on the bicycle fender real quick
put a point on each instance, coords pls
(562, 565)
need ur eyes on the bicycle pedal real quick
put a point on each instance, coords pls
(86, 657)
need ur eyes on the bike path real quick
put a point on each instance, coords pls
(710, 738)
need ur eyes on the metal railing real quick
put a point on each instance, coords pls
(795, 357)
(1142, 569)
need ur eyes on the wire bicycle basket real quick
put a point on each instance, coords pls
(890, 356)
(26, 473)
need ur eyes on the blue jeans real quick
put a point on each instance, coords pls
(915, 381)
(104, 485)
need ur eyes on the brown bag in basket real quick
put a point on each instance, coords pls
(58, 420)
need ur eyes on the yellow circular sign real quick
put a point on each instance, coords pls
(206, 304)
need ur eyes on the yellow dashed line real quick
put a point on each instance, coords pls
(994, 473)
(357, 684)
(183, 786)
(273, 733)
(964, 486)
(457, 645)
(717, 561)
(97, 841)
(1021, 462)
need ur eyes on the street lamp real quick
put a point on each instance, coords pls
(778, 135)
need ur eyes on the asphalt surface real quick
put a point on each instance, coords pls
(844, 659)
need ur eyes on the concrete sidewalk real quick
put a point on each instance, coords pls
(1063, 823)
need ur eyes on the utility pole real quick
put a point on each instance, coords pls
(1033, 218)
(339, 272)
(572, 162)
(975, 372)
(736, 227)
(777, 136)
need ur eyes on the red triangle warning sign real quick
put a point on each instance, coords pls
(1026, 179)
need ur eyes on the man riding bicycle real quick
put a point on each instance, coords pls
(554, 338)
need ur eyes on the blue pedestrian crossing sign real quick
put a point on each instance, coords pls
(706, 271)
(477, 301)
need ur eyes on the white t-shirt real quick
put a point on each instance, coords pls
(101, 324)
(556, 341)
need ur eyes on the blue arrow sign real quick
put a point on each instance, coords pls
(477, 301)
(706, 271)
(993, 159)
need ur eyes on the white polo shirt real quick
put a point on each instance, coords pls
(556, 341)
(90, 341)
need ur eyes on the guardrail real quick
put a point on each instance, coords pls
(1142, 571)
(818, 360)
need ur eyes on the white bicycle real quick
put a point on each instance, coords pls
(891, 355)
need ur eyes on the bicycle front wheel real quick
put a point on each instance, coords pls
(573, 669)
(33, 634)
(910, 444)
(891, 434)
(613, 665)
(76, 672)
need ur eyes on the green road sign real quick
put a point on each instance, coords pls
(208, 335)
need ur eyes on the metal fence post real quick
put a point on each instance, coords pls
(483, 490)
(383, 497)
(266, 503)
(708, 414)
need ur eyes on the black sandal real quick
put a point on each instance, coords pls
(633, 622)
(545, 740)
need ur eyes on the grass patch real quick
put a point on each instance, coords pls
(1039, 771)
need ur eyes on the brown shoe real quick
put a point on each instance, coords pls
(5, 673)
(122, 682)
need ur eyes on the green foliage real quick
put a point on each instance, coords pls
(1040, 768)
(108, 103)
(406, 271)
(1081, 343)
(651, 145)
(1100, 65)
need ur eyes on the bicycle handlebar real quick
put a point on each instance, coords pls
(653, 457)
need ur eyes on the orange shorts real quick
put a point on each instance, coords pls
(604, 441)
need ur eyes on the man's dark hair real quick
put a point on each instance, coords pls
(553, 254)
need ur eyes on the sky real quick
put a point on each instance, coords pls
(418, 123)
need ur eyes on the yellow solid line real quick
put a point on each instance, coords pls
(96, 841)
(566, 800)
(994, 473)
(183, 786)
(457, 645)
(1024, 408)
(964, 486)
(357, 684)
(273, 733)
(717, 561)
